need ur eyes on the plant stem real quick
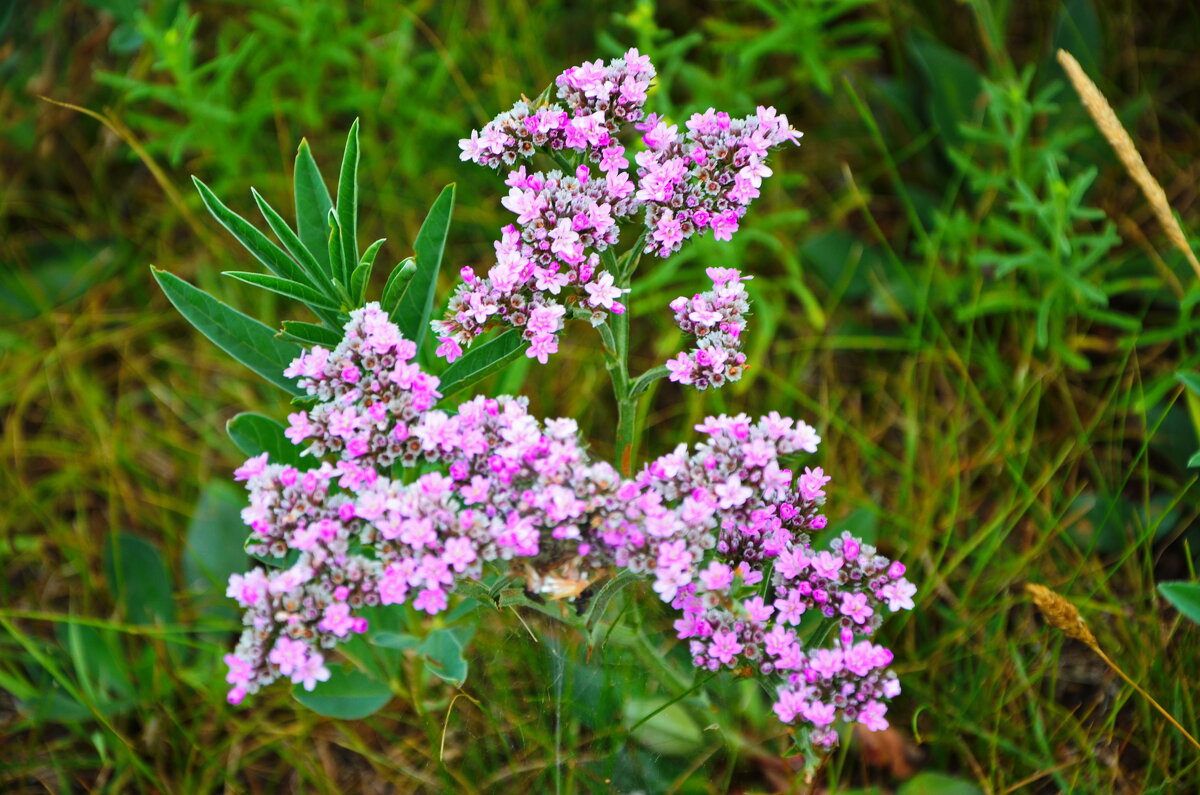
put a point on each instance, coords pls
(626, 443)
(618, 362)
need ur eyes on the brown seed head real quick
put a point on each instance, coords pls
(1061, 614)
(1110, 126)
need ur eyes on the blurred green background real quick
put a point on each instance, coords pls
(955, 281)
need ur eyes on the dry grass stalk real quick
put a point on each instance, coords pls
(1110, 126)
(1063, 616)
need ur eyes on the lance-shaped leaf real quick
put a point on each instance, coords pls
(397, 283)
(285, 287)
(312, 207)
(416, 304)
(336, 255)
(481, 361)
(312, 268)
(250, 342)
(309, 334)
(347, 204)
(255, 434)
(258, 244)
(362, 273)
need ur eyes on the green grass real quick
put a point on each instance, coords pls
(894, 307)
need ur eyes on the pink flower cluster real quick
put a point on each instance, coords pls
(598, 98)
(702, 179)
(562, 224)
(721, 528)
(717, 318)
(294, 613)
(369, 391)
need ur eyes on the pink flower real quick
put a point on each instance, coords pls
(311, 671)
(898, 595)
(431, 600)
(826, 566)
(854, 606)
(724, 225)
(602, 292)
(717, 577)
(288, 655)
(788, 706)
(820, 714)
(337, 619)
(724, 647)
(812, 483)
(449, 349)
(757, 610)
(871, 716)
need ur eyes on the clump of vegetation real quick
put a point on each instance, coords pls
(955, 279)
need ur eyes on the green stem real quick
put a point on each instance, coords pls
(626, 445)
(617, 354)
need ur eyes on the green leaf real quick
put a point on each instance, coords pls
(138, 579)
(1184, 597)
(250, 342)
(310, 334)
(1190, 380)
(347, 204)
(397, 282)
(312, 207)
(285, 287)
(670, 731)
(930, 783)
(606, 594)
(214, 538)
(317, 277)
(337, 253)
(1194, 461)
(348, 695)
(395, 640)
(362, 274)
(254, 241)
(473, 589)
(443, 656)
(255, 434)
(481, 361)
(416, 305)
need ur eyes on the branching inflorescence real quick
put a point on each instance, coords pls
(722, 528)
(405, 501)
(553, 258)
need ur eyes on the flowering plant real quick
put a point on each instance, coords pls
(381, 492)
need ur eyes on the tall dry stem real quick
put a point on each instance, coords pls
(1063, 616)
